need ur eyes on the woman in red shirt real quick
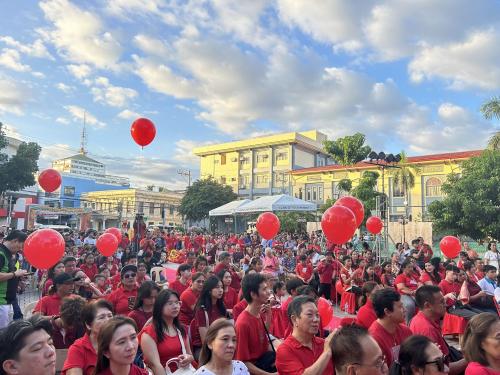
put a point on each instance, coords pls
(209, 308)
(123, 298)
(89, 267)
(480, 345)
(304, 269)
(82, 355)
(118, 344)
(430, 276)
(230, 294)
(165, 337)
(366, 314)
(143, 308)
(407, 284)
(189, 298)
(48, 279)
(387, 277)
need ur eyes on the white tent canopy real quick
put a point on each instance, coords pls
(280, 202)
(228, 209)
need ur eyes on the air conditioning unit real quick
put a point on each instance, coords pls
(265, 156)
(233, 179)
(234, 160)
(242, 158)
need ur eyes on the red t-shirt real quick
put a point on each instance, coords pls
(134, 370)
(48, 305)
(426, 277)
(230, 298)
(409, 281)
(200, 320)
(188, 299)
(90, 271)
(389, 343)
(122, 300)
(304, 272)
(239, 308)
(366, 314)
(325, 271)
(447, 287)
(421, 325)
(81, 355)
(251, 337)
(178, 286)
(170, 347)
(292, 358)
(140, 317)
(475, 368)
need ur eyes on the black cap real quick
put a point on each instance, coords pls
(128, 267)
(63, 278)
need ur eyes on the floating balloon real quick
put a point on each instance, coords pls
(355, 206)
(450, 246)
(374, 225)
(325, 310)
(143, 131)
(268, 225)
(107, 244)
(44, 248)
(49, 180)
(338, 224)
(115, 232)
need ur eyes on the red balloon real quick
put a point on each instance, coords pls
(44, 248)
(338, 224)
(325, 310)
(49, 180)
(115, 232)
(268, 225)
(355, 206)
(143, 131)
(107, 244)
(450, 246)
(374, 225)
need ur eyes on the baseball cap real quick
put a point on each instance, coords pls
(63, 278)
(128, 267)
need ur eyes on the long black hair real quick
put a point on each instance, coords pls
(411, 353)
(144, 291)
(158, 322)
(205, 299)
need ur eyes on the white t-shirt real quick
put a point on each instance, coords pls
(492, 257)
(239, 368)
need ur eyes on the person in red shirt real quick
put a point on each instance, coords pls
(366, 314)
(82, 355)
(325, 271)
(165, 338)
(143, 308)
(291, 287)
(89, 267)
(51, 304)
(239, 308)
(388, 330)
(189, 298)
(304, 269)
(182, 282)
(302, 351)
(147, 244)
(480, 345)
(123, 298)
(200, 265)
(254, 348)
(230, 294)
(406, 284)
(68, 326)
(432, 307)
(430, 276)
(118, 344)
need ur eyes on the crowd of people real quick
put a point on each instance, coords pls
(239, 304)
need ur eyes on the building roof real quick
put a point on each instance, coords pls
(311, 139)
(411, 159)
(82, 158)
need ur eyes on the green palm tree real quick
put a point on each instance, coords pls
(404, 176)
(491, 110)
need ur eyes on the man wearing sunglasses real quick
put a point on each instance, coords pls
(123, 298)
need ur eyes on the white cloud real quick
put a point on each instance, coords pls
(472, 63)
(80, 35)
(13, 96)
(134, 8)
(11, 59)
(36, 49)
(64, 87)
(114, 96)
(127, 114)
(80, 71)
(11, 131)
(184, 151)
(78, 114)
(151, 46)
(62, 120)
(38, 75)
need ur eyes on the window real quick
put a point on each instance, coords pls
(244, 181)
(314, 193)
(282, 156)
(262, 179)
(140, 207)
(171, 209)
(69, 191)
(281, 178)
(223, 159)
(397, 190)
(262, 157)
(223, 180)
(433, 187)
(151, 208)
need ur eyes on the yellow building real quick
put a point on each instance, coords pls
(261, 166)
(321, 183)
(111, 207)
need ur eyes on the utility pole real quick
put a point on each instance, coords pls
(185, 173)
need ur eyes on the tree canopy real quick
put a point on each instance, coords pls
(348, 150)
(471, 206)
(366, 193)
(203, 196)
(491, 110)
(294, 222)
(19, 170)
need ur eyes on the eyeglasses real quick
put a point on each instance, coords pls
(379, 365)
(439, 362)
(129, 275)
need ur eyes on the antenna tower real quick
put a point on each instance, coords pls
(83, 140)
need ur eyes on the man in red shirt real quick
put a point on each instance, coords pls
(182, 282)
(325, 271)
(291, 288)
(254, 346)
(431, 305)
(123, 298)
(50, 305)
(388, 330)
(303, 352)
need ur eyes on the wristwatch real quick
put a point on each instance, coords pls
(13, 275)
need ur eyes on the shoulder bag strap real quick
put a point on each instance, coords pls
(182, 342)
(267, 333)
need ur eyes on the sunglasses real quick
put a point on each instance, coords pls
(439, 362)
(129, 275)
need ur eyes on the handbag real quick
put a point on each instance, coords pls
(188, 370)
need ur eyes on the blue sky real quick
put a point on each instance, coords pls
(409, 74)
